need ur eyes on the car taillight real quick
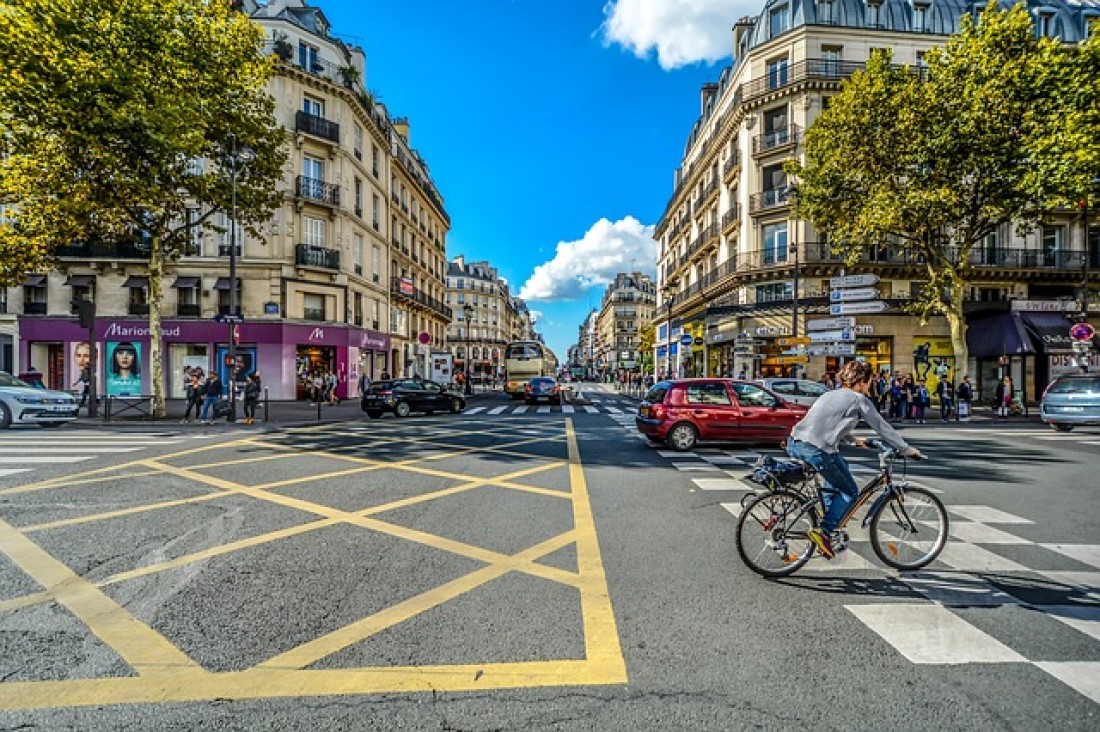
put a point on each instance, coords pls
(657, 411)
(385, 393)
(527, 388)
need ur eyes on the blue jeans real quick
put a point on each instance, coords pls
(208, 404)
(840, 489)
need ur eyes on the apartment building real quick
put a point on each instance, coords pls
(349, 274)
(486, 318)
(627, 305)
(730, 250)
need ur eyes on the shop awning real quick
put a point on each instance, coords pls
(1000, 335)
(1049, 331)
(136, 281)
(186, 283)
(80, 280)
(223, 283)
(34, 280)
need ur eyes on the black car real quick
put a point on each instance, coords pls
(402, 396)
(542, 387)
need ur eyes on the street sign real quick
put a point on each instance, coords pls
(1082, 332)
(686, 339)
(225, 318)
(859, 293)
(425, 337)
(831, 324)
(845, 335)
(793, 359)
(742, 350)
(853, 308)
(832, 349)
(800, 341)
(860, 280)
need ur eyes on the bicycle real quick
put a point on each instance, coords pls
(908, 524)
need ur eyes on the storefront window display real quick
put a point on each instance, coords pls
(183, 358)
(312, 361)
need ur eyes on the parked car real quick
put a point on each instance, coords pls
(798, 391)
(21, 403)
(684, 412)
(1071, 400)
(403, 396)
(542, 387)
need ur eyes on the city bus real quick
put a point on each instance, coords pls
(523, 361)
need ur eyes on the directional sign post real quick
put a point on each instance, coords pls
(855, 308)
(860, 280)
(831, 324)
(858, 293)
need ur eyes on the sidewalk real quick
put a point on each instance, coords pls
(282, 414)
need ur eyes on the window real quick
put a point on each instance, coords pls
(778, 20)
(313, 306)
(826, 15)
(753, 396)
(707, 393)
(1045, 25)
(374, 314)
(313, 106)
(776, 131)
(357, 137)
(314, 232)
(359, 198)
(375, 262)
(775, 292)
(313, 168)
(226, 236)
(194, 234)
(830, 60)
(374, 160)
(989, 250)
(308, 58)
(1052, 245)
(358, 309)
(873, 15)
(34, 295)
(358, 254)
(376, 211)
(920, 18)
(777, 73)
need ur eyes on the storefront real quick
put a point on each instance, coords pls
(280, 352)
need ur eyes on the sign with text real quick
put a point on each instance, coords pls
(855, 308)
(833, 349)
(860, 280)
(800, 341)
(859, 293)
(845, 335)
(831, 324)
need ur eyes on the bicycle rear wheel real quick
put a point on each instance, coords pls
(909, 530)
(771, 533)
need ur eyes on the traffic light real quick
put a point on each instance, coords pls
(85, 309)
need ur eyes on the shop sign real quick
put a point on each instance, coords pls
(854, 308)
(317, 334)
(831, 324)
(271, 308)
(793, 359)
(407, 286)
(800, 341)
(117, 330)
(1055, 306)
(860, 280)
(1069, 363)
(859, 293)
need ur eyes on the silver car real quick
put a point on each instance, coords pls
(21, 403)
(797, 391)
(1070, 401)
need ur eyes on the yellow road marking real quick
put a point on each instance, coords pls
(119, 513)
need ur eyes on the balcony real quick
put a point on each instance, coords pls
(776, 140)
(317, 126)
(731, 165)
(768, 200)
(731, 218)
(311, 256)
(313, 189)
(188, 311)
(420, 298)
(34, 308)
(127, 250)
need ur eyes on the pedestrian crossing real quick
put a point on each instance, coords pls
(24, 452)
(621, 408)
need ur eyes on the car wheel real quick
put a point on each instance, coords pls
(1063, 427)
(374, 413)
(52, 424)
(682, 437)
(5, 417)
(401, 409)
(456, 406)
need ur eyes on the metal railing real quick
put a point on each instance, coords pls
(419, 297)
(128, 250)
(318, 190)
(316, 125)
(767, 200)
(776, 139)
(314, 256)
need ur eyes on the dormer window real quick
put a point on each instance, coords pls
(779, 20)
(874, 13)
(825, 12)
(920, 18)
(1045, 24)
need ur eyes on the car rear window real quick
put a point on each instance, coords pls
(1078, 385)
(713, 393)
(542, 381)
(657, 393)
(380, 386)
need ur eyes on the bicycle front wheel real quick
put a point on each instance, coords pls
(910, 529)
(771, 533)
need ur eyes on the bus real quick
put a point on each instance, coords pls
(523, 361)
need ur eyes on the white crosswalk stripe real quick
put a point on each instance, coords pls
(519, 410)
(27, 452)
(13, 471)
(591, 410)
(567, 409)
(44, 459)
(475, 410)
(543, 410)
(497, 410)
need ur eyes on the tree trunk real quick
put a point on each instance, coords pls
(156, 363)
(957, 324)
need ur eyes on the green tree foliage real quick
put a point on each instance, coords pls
(647, 336)
(116, 118)
(931, 162)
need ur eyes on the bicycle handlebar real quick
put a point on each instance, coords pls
(888, 451)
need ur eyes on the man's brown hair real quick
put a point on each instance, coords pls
(855, 372)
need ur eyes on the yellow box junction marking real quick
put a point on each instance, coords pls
(165, 674)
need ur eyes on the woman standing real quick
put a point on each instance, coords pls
(251, 397)
(194, 394)
(1002, 396)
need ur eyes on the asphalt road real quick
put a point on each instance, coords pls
(540, 570)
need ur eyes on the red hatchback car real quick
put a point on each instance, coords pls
(684, 412)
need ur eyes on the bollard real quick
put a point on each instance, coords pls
(267, 411)
(318, 407)
(107, 408)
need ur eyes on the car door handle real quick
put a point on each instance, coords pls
(700, 412)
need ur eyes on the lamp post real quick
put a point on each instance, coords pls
(237, 156)
(792, 193)
(468, 312)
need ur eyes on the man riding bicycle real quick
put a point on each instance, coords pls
(816, 440)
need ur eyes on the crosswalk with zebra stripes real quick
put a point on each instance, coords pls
(597, 407)
(25, 451)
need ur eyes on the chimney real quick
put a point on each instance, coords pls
(460, 261)
(706, 94)
(401, 127)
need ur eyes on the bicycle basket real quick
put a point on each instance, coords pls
(785, 472)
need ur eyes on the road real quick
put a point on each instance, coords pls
(537, 570)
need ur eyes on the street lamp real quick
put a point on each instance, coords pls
(237, 157)
(468, 311)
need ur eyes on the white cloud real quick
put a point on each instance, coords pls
(682, 32)
(605, 250)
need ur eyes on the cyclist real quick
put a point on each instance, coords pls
(816, 440)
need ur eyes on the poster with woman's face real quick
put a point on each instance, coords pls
(123, 368)
(80, 357)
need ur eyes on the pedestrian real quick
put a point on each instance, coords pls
(331, 382)
(212, 394)
(945, 390)
(898, 402)
(193, 392)
(251, 397)
(316, 388)
(1002, 396)
(965, 394)
(921, 400)
(85, 381)
(364, 384)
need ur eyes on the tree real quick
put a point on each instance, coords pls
(118, 122)
(647, 336)
(931, 161)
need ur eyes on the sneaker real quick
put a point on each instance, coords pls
(822, 541)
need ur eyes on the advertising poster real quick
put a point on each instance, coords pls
(122, 371)
(245, 364)
(80, 357)
(933, 360)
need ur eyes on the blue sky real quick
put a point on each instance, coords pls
(552, 127)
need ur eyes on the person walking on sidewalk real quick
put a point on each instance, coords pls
(965, 394)
(921, 400)
(1002, 396)
(251, 397)
(945, 390)
(212, 394)
(194, 393)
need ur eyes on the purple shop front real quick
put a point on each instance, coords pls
(286, 355)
